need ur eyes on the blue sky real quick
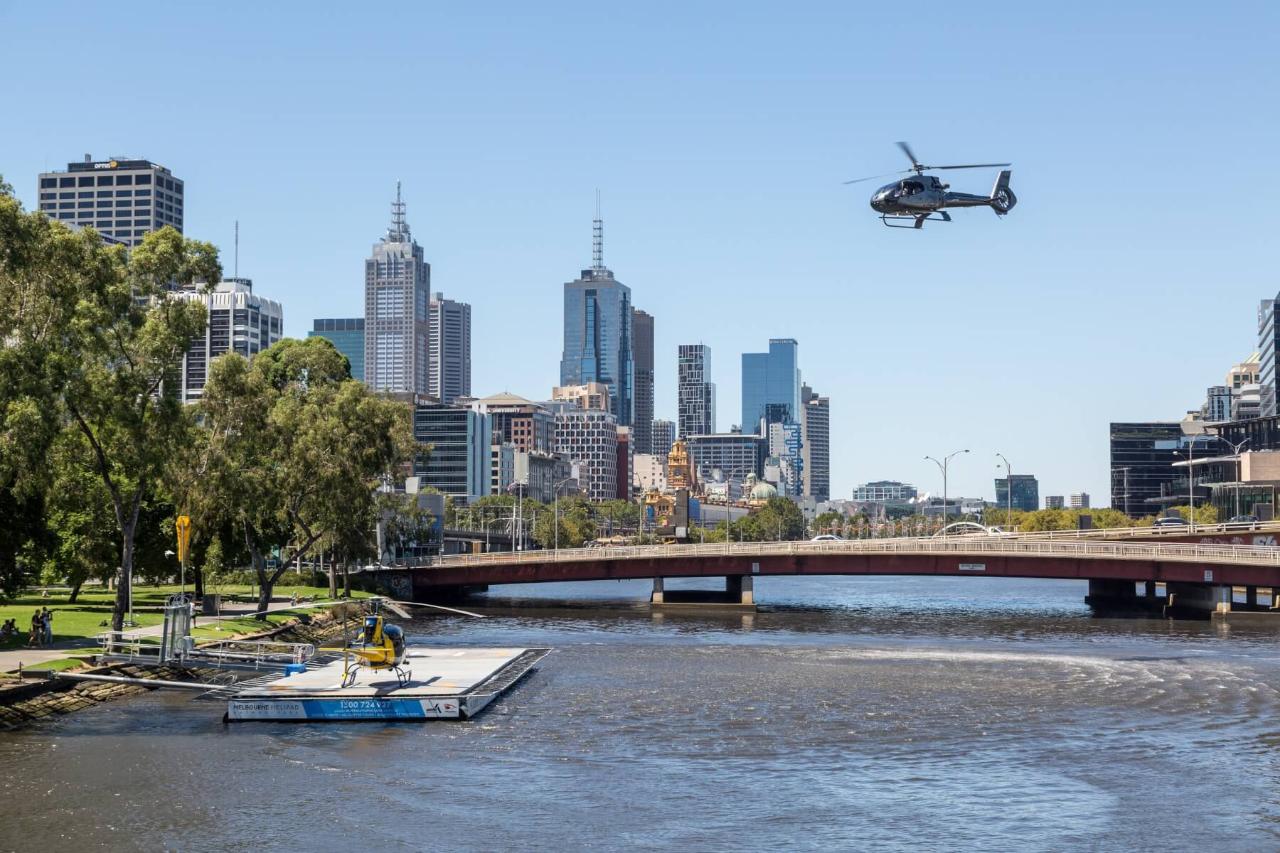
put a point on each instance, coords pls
(1124, 283)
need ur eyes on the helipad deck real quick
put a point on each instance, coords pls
(446, 684)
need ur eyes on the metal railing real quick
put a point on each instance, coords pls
(1008, 546)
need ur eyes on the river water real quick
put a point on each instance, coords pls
(849, 713)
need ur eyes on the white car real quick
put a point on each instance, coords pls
(826, 537)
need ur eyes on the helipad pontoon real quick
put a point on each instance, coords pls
(445, 684)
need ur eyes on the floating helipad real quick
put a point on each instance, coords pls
(445, 684)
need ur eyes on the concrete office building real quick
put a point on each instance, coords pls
(593, 396)
(347, 335)
(122, 198)
(589, 440)
(519, 422)
(460, 463)
(1079, 500)
(885, 492)
(448, 349)
(397, 284)
(695, 392)
(727, 457)
(663, 436)
(598, 333)
(815, 451)
(1026, 492)
(642, 333)
(239, 321)
(771, 377)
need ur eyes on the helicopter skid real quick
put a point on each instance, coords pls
(917, 220)
(462, 682)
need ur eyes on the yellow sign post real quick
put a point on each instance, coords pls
(184, 541)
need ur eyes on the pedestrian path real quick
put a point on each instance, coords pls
(14, 659)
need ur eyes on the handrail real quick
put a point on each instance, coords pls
(1264, 555)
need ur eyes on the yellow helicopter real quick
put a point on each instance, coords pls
(381, 645)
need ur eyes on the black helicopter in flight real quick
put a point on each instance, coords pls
(922, 197)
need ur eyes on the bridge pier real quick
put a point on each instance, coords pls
(1197, 600)
(739, 594)
(1120, 598)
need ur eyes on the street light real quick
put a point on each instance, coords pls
(556, 505)
(1008, 487)
(942, 466)
(1235, 451)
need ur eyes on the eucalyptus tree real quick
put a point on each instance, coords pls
(296, 449)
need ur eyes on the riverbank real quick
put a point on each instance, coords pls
(25, 701)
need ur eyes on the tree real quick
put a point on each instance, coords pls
(779, 518)
(296, 451)
(829, 522)
(44, 269)
(131, 336)
(576, 525)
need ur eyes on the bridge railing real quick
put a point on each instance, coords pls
(962, 545)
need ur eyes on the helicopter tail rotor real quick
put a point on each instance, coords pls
(1002, 198)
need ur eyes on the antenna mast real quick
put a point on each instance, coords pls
(597, 238)
(237, 265)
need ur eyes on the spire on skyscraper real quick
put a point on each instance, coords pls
(597, 238)
(399, 230)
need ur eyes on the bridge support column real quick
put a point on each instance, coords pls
(739, 594)
(1197, 600)
(1111, 597)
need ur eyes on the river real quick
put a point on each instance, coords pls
(849, 713)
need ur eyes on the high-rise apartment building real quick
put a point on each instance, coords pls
(663, 436)
(397, 285)
(347, 335)
(642, 334)
(1026, 492)
(598, 332)
(815, 430)
(1268, 349)
(239, 321)
(771, 377)
(448, 349)
(121, 198)
(695, 392)
(589, 440)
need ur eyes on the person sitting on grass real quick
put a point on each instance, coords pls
(8, 630)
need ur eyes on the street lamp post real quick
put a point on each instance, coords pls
(1235, 451)
(1008, 487)
(942, 466)
(555, 502)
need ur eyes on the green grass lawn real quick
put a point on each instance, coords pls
(83, 621)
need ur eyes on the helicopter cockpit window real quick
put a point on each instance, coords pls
(912, 187)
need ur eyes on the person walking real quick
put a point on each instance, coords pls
(48, 627)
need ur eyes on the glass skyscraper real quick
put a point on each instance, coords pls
(347, 334)
(771, 377)
(597, 334)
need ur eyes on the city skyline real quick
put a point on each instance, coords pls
(938, 347)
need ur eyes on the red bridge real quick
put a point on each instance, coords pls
(1197, 577)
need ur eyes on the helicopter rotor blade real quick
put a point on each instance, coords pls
(911, 155)
(969, 166)
(874, 177)
(437, 607)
